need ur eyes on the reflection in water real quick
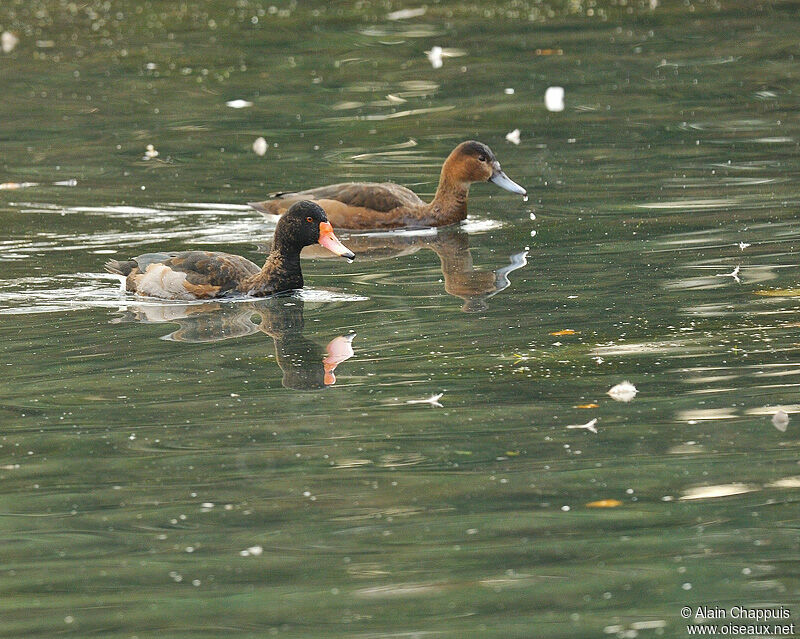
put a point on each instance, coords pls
(305, 364)
(451, 245)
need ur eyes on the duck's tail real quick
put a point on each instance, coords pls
(271, 207)
(120, 268)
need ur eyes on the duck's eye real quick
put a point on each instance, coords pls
(309, 219)
(482, 158)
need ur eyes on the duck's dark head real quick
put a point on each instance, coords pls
(473, 161)
(304, 224)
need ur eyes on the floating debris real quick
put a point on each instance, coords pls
(566, 331)
(743, 245)
(780, 420)
(253, 551)
(549, 51)
(238, 104)
(395, 99)
(720, 490)
(435, 57)
(8, 42)
(554, 99)
(404, 14)
(592, 405)
(150, 152)
(513, 136)
(433, 400)
(260, 146)
(604, 503)
(734, 274)
(590, 426)
(436, 54)
(508, 91)
(623, 392)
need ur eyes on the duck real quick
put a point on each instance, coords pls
(386, 205)
(192, 275)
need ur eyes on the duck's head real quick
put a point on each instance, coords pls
(304, 224)
(473, 161)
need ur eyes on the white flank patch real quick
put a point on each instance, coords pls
(161, 281)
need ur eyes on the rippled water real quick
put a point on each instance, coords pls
(419, 443)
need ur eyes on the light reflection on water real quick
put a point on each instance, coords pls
(249, 467)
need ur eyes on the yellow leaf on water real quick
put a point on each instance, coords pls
(587, 406)
(604, 503)
(512, 453)
(566, 331)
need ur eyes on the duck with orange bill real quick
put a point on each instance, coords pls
(207, 274)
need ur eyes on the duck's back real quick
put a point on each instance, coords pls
(353, 205)
(186, 275)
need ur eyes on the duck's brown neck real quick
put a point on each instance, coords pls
(449, 205)
(281, 272)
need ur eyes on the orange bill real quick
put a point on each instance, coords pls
(332, 243)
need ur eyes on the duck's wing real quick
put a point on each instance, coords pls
(125, 267)
(378, 197)
(187, 275)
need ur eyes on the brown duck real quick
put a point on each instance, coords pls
(367, 205)
(205, 274)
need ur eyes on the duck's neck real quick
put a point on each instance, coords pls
(449, 205)
(281, 272)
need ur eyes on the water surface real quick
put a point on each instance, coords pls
(232, 469)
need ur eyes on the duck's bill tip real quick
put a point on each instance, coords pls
(332, 243)
(505, 182)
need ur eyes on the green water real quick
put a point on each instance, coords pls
(183, 471)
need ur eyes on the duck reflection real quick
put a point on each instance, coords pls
(451, 245)
(305, 364)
